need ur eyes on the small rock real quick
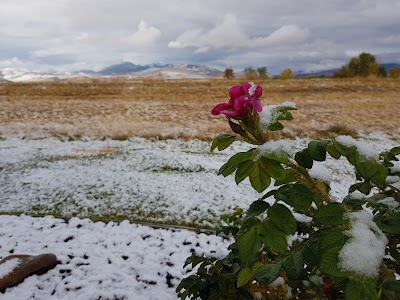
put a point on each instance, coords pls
(15, 268)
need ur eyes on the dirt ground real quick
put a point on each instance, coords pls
(122, 108)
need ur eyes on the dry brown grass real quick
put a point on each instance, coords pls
(181, 108)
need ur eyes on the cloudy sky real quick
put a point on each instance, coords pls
(67, 35)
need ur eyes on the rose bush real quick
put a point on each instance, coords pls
(296, 241)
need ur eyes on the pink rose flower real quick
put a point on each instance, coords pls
(242, 98)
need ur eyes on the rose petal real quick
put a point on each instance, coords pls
(240, 102)
(257, 104)
(220, 107)
(258, 92)
(236, 91)
(229, 113)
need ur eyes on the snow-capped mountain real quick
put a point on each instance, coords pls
(186, 71)
(127, 68)
(131, 70)
(22, 75)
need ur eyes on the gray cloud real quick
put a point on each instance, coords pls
(306, 35)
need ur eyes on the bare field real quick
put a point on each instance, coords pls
(122, 108)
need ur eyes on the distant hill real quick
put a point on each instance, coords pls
(390, 65)
(323, 73)
(167, 71)
(130, 70)
(185, 71)
(126, 68)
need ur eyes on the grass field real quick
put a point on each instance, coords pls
(121, 108)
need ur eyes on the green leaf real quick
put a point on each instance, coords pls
(332, 238)
(329, 263)
(372, 170)
(317, 150)
(291, 177)
(273, 237)
(274, 169)
(232, 164)
(275, 126)
(194, 260)
(259, 178)
(222, 142)
(392, 227)
(248, 246)
(248, 223)
(392, 286)
(332, 151)
(349, 152)
(353, 201)
(279, 156)
(364, 187)
(395, 150)
(266, 274)
(304, 159)
(285, 115)
(296, 195)
(282, 218)
(257, 208)
(331, 214)
(311, 253)
(243, 171)
(357, 290)
(293, 265)
(244, 276)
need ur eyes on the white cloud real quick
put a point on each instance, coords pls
(286, 35)
(14, 62)
(393, 39)
(145, 36)
(229, 34)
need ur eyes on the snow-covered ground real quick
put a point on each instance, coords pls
(160, 181)
(102, 261)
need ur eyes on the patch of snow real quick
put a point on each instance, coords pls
(364, 251)
(270, 113)
(316, 279)
(396, 185)
(252, 88)
(392, 179)
(7, 267)
(357, 195)
(396, 167)
(281, 147)
(169, 180)
(277, 282)
(362, 147)
(103, 261)
(389, 202)
(319, 171)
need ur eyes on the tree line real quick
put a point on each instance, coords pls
(250, 73)
(365, 65)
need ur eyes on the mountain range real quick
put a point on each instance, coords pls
(130, 70)
(126, 69)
